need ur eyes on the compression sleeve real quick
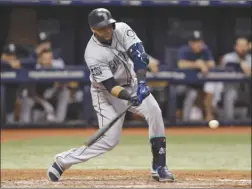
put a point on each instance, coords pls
(116, 90)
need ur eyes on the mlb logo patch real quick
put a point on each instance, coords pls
(95, 70)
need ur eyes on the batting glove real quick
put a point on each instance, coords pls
(135, 101)
(142, 91)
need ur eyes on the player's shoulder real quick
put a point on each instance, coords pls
(205, 47)
(184, 48)
(121, 27)
(91, 56)
(230, 57)
(92, 48)
(248, 56)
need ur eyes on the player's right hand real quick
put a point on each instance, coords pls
(135, 101)
(143, 90)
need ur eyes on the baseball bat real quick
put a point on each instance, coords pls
(100, 132)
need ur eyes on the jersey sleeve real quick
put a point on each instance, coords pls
(129, 36)
(100, 71)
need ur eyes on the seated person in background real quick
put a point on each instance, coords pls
(196, 55)
(240, 61)
(75, 101)
(47, 94)
(45, 44)
(9, 61)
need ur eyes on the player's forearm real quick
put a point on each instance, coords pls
(116, 90)
(185, 64)
(120, 92)
(141, 75)
(210, 64)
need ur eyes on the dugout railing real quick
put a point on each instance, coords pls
(81, 75)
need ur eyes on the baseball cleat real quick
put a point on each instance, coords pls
(162, 174)
(54, 172)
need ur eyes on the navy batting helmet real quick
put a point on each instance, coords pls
(99, 18)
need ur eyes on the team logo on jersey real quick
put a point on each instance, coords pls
(95, 70)
(130, 33)
(121, 58)
(113, 65)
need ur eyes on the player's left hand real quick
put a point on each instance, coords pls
(135, 101)
(142, 90)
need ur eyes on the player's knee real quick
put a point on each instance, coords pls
(111, 142)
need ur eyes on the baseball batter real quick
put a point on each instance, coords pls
(117, 62)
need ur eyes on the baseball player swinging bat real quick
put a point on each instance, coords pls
(117, 62)
(98, 134)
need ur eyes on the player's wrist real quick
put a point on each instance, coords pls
(142, 82)
(121, 93)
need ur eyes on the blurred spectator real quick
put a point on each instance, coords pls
(240, 61)
(75, 101)
(196, 55)
(44, 43)
(47, 95)
(9, 59)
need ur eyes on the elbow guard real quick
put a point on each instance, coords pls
(138, 55)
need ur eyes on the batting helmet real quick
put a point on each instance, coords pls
(99, 18)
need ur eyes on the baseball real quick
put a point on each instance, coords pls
(213, 124)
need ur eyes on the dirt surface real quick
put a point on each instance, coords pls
(125, 179)
(120, 178)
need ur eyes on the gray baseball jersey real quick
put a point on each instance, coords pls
(105, 62)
